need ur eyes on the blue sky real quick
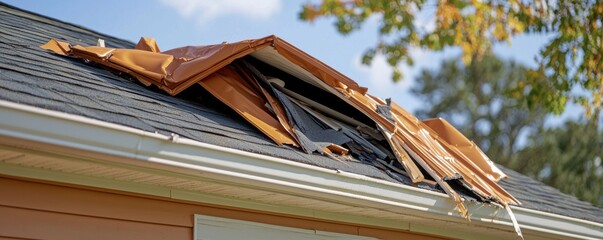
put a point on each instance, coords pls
(200, 22)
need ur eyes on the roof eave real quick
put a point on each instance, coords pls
(137, 149)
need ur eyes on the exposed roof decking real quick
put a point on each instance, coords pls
(76, 88)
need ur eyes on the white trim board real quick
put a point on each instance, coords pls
(218, 228)
(134, 148)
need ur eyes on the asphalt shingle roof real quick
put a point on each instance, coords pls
(32, 76)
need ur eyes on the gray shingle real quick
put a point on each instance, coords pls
(29, 75)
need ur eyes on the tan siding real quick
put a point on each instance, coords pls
(10, 238)
(51, 225)
(42, 210)
(93, 203)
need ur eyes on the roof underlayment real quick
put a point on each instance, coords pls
(298, 101)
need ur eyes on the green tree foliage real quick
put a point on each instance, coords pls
(568, 158)
(475, 99)
(570, 65)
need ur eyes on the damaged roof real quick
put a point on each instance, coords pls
(31, 76)
(299, 101)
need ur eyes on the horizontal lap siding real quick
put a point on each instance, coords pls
(34, 210)
(55, 198)
(36, 224)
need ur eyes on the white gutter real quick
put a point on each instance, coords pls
(137, 147)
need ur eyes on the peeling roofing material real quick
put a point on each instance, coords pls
(272, 85)
(32, 77)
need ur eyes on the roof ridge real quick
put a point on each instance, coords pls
(60, 23)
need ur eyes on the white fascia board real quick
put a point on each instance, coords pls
(137, 147)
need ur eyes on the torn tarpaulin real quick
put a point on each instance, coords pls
(312, 106)
(232, 89)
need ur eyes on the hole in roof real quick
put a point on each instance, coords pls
(310, 91)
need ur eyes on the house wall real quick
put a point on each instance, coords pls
(44, 210)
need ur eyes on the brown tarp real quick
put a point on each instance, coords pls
(230, 88)
(175, 70)
(435, 145)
